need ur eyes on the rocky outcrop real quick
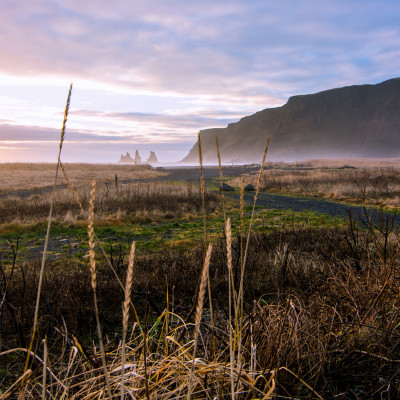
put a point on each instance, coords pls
(249, 188)
(353, 121)
(137, 159)
(152, 158)
(126, 158)
(226, 188)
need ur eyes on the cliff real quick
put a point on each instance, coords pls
(353, 121)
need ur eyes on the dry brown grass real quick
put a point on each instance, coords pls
(145, 202)
(321, 317)
(369, 186)
(29, 176)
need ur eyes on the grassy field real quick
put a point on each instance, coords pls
(31, 177)
(284, 305)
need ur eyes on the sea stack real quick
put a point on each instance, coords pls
(137, 159)
(126, 158)
(152, 158)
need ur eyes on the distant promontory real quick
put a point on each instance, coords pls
(353, 121)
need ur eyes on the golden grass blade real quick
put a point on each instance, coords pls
(72, 357)
(9, 391)
(202, 184)
(228, 235)
(302, 381)
(202, 188)
(36, 357)
(252, 215)
(71, 188)
(44, 369)
(220, 179)
(93, 282)
(91, 235)
(241, 217)
(199, 312)
(125, 315)
(46, 242)
(240, 295)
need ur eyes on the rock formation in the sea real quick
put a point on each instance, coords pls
(152, 158)
(353, 121)
(137, 159)
(126, 158)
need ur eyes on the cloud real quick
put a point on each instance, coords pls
(156, 71)
(188, 121)
(230, 48)
(11, 134)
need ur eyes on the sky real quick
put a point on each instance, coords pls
(150, 74)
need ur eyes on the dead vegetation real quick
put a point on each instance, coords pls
(128, 201)
(321, 316)
(30, 176)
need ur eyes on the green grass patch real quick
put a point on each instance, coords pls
(71, 239)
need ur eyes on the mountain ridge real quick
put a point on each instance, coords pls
(352, 121)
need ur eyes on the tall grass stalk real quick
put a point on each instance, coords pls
(71, 360)
(93, 282)
(203, 202)
(46, 243)
(44, 368)
(71, 188)
(220, 178)
(228, 235)
(203, 192)
(199, 312)
(125, 315)
(241, 212)
(240, 295)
